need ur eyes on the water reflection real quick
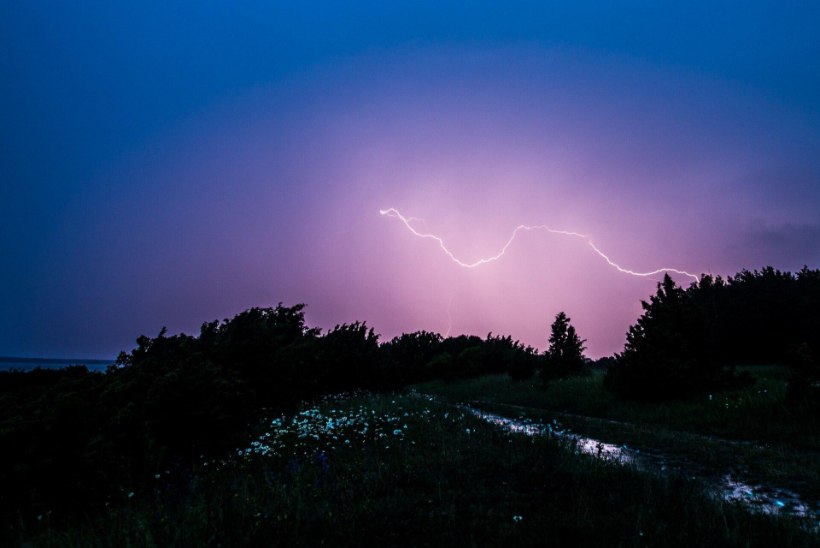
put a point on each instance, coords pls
(771, 500)
(587, 446)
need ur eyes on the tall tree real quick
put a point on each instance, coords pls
(566, 348)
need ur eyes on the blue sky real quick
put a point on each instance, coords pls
(91, 89)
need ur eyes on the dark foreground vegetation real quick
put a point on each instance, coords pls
(399, 470)
(146, 453)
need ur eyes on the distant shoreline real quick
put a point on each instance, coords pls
(6, 359)
(8, 363)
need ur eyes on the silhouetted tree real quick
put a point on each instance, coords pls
(505, 355)
(404, 358)
(348, 358)
(670, 351)
(460, 357)
(566, 349)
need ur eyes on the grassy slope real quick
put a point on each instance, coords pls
(784, 446)
(405, 471)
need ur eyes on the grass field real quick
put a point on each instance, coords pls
(402, 470)
(749, 430)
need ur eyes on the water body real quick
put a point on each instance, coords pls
(729, 486)
(27, 364)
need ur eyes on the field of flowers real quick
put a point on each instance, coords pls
(320, 429)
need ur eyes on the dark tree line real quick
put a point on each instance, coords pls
(69, 435)
(688, 340)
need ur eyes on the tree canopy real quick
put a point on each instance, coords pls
(687, 340)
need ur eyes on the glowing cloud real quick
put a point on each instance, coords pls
(392, 212)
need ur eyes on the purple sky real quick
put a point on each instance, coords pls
(148, 211)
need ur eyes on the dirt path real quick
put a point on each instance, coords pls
(734, 470)
(565, 417)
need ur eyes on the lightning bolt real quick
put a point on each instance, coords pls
(392, 212)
